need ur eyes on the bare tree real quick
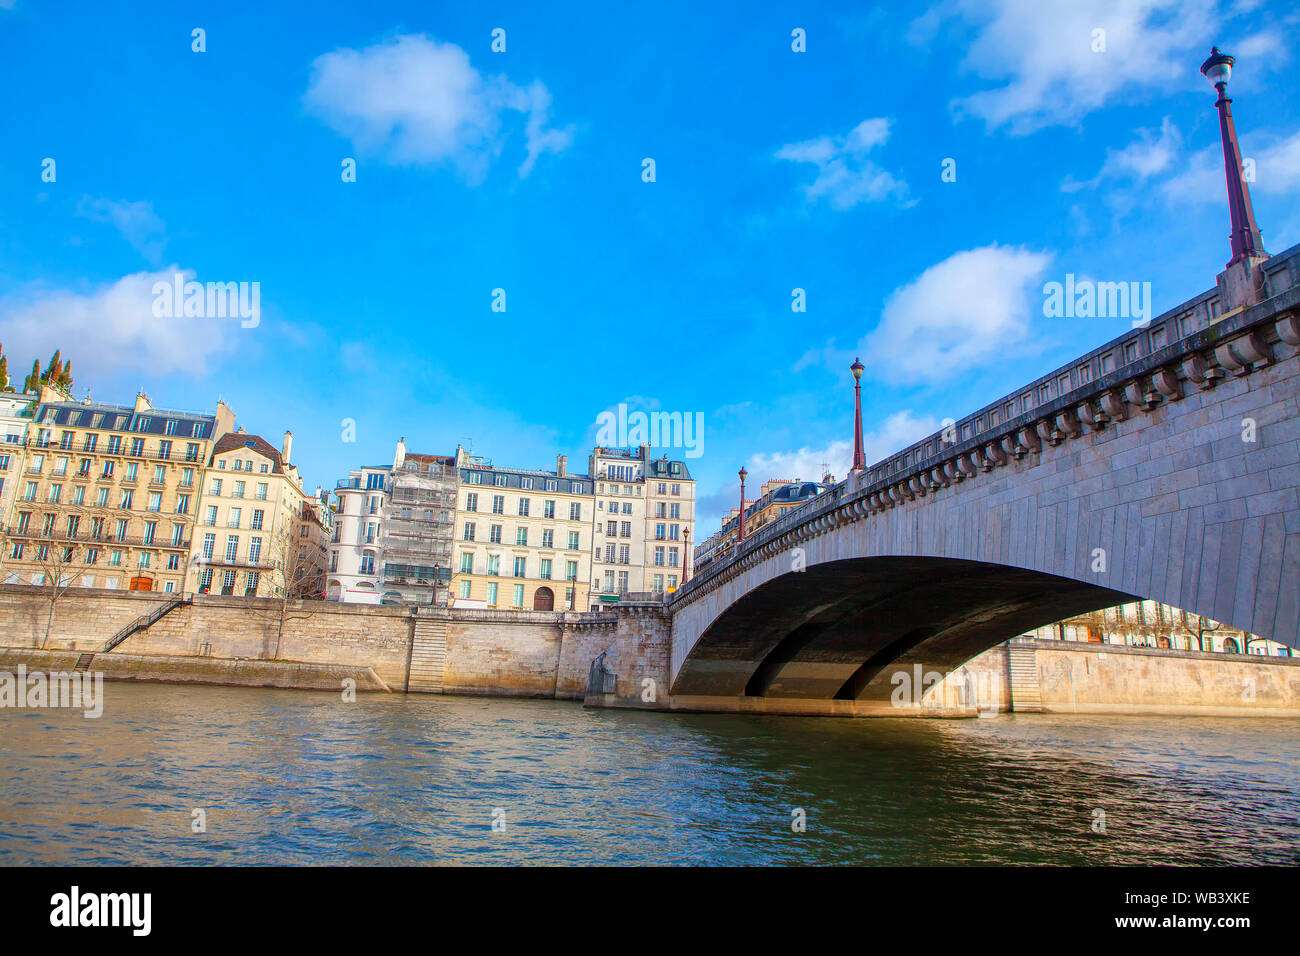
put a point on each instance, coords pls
(299, 572)
(60, 572)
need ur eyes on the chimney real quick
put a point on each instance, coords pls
(561, 462)
(288, 447)
(399, 455)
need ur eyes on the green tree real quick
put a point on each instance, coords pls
(57, 374)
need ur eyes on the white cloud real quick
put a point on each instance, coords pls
(1277, 171)
(970, 307)
(1044, 55)
(136, 221)
(413, 100)
(846, 175)
(1148, 155)
(112, 329)
(897, 431)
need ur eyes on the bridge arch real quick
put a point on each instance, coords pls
(1174, 478)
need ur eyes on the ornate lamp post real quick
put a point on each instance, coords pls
(686, 555)
(436, 572)
(742, 474)
(1238, 282)
(859, 457)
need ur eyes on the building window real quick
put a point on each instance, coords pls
(494, 534)
(521, 537)
(465, 585)
(548, 509)
(468, 533)
(471, 501)
(521, 567)
(467, 563)
(519, 595)
(523, 507)
(548, 538)
(491, 593)
(573, 541)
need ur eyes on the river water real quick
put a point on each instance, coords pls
(290, 777)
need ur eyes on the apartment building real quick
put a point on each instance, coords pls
(16, 412)
(416, 528)
(777, 497)
(1152, 624)
(313, 571)
(255, 522)
(523, 537)
(108, 493)
(354, 565)
(643, 522)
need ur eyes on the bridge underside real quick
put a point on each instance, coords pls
(840, 630)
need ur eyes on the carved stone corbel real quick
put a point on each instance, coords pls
(1112, 403)
(1288, 329)
(1067, 422)
(1166, 382)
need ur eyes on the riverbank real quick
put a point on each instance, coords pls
(222, 672)
(317, 645)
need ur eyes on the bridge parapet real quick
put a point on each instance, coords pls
(1190, 347)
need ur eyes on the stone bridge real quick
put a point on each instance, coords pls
(1163, 465)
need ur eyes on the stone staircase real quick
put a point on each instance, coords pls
(428, 653)
(1025, 696)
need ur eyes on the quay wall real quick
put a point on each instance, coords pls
(219, 639)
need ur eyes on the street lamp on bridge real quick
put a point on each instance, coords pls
(1241, 283)
(741, 533)
(859, 457)
(686, 556)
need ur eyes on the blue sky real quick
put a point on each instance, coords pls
(522, 170)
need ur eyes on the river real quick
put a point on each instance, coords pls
(290, 777)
